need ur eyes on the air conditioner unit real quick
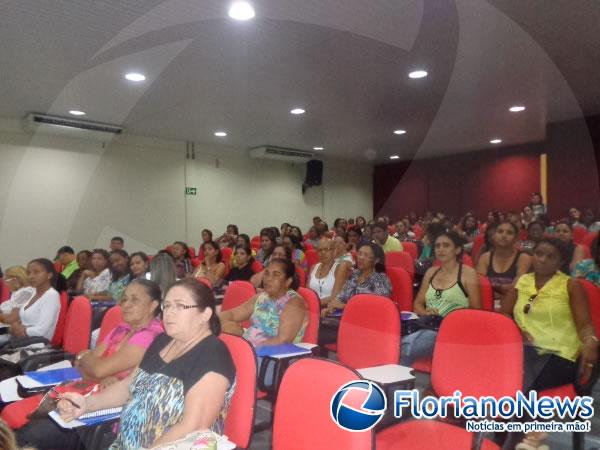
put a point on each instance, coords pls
(280, 154)
(65, 126)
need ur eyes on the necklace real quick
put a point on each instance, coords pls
(181, 351)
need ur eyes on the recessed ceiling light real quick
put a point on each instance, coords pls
(134, 76)
(241, 11)
(516, 108)
(317, 148)
(220, 134)
(418, 74)
(297, 111)
(76, 112)
(399, 131)
(495, 141)
(394, 157)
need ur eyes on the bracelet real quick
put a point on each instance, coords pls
(593, 337)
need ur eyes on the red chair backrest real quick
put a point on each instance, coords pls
(302, 413)
(369, 333)
(313, 305)
(191, 252)
(478, 353)
(411, 249)
(58, 266)
(205, 281)
(239, 421)
(312, 258)
(487, 293)
(226, 254)
(593, 296)
(237, 292)
(196, 262)
(4, 291)
(401, 259)
(257, 266)
(57, 338)
(78, 325)
(255, 243)
(307, 247)
(587, 241)
(112, 318)
(301, 276)
(418, 230)
(402, 287)
(579, 234)
(477, 244)
(467, 260)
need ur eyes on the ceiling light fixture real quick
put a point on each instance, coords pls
(134, 76)
(317, 148)
(220, 133)
(495, 141)
(241, 11)
(418, 74)
(76, 112)
(297, 111)
(394, 157)
(399, 131)
(516, 108)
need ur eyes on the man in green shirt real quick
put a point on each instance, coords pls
(66, 256)
(381, 236)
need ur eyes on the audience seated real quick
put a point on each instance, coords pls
(163, 271)
(243, 264)
(537, 205)
(503, 263)
(545, 304)
(368, 278)
(280, 251)
(342, 254)
(589, 220)
(535, 233)
(97, 279)
(327, 277)
(111, 361)
(589, 269)
(575, 253)
(381, 236)
(121, 277)
(117, 243)
(451, 286)
(229, 238)
(84, 259)
(180, 254)
(213, 267)
(360, 223)
(267, 243)
(184, 382)
(295, 245)
(138, 264)
(38, 316)
(403, 233)
(312, 238)
(20, 293)
(207, 236)
(67, 279)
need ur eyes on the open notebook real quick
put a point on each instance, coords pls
(93, 418)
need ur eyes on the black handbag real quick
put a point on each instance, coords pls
(422, 323)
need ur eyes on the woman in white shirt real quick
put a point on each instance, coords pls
(16, 279)
(96, 280)
(327, 277)
(39, 315)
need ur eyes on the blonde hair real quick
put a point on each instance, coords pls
(7, 437)
(19, 273)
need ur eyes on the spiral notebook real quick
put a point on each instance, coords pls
(93, 418)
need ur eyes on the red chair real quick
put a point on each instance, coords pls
(487, 293)
(205, 281)
(477, 244)
(411, 249)
(312, 258)
(237, 293)
(401, 259)
(307, 247)
(255, 243)
(302, 413)
(418, 230)
(112, 318)
(369, 333)
(78, 326)
(239, 421)
(257, 266)
(587, 241)
(467, 260)
(579, 235)
(402, 288)
(57, 338)
(301, 276)
(4, 291)
(313, 305)
(58, 267)
(191, 252)
(472, 348)
(196, 262)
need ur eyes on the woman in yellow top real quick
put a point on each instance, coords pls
(552, 312)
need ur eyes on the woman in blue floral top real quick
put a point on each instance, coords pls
(589, 269)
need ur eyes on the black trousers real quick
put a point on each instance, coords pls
(546, 371)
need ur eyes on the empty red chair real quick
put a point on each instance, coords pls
(256, 266)
(401, 259)
(313, 305)
(301, 276)
(312, 258)
(411, 249)
(472, 348)
(302, 413)
(239, 421)
(57, 338)
(369, 333)
(112, 318)
(579, 235)
(487, 293)
(402, 288)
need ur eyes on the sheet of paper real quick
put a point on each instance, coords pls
(8, 387)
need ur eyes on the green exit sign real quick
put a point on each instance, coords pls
(190, 191)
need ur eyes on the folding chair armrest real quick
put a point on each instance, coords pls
(34, 362)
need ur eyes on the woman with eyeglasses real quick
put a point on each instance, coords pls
(327, 277)
(20, 293)
(552, 312)
(112, 360)
(184, 382)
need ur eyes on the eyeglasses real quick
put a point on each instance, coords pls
(178, 307)
(527, 307)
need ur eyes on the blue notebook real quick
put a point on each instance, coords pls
(89, 419)
(56, 376)
(281, 349)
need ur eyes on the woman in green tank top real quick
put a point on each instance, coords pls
(445, 288)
